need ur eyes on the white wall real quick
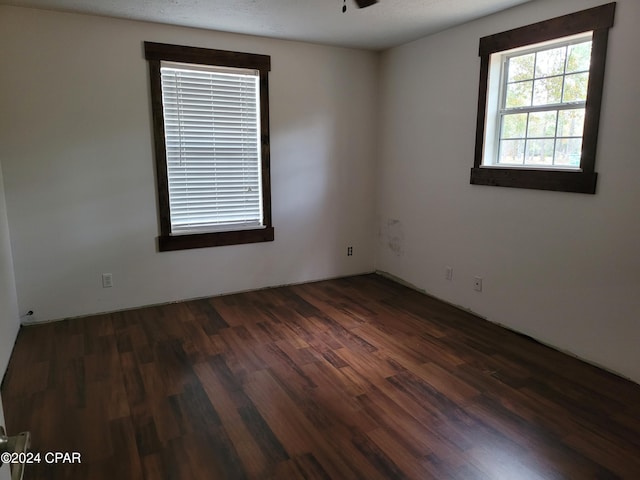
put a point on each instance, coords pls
(75, 126)
(561, 267)
(9, 318)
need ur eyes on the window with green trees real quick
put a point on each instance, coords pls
(542, 106)
(539, 104)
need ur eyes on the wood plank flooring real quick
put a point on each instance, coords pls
(356, 378)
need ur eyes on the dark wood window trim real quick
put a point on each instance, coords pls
(157, 52)
(598, 19)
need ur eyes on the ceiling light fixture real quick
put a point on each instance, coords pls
(365, 3)
(360, 3)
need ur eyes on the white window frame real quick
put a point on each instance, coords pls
(183, 204)
(497, 97)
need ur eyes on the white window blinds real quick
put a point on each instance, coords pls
(212, 136)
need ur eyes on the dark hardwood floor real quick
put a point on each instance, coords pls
(356, 378)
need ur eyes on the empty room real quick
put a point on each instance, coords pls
(328, 239)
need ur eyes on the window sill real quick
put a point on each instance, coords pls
(214, 239)
(555, 180)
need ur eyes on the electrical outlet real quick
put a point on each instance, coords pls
(107, 280)
(449, 273)
(477, 284)
(349, 251)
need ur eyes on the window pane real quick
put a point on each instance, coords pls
(542, 124)
(547, 91)
(571, 123)
(550, 62)
(539, 152)
(575, 87)
(568, 151)
(511, 152)
(521, 68)
(519, 94)
(514, 126)
(579, 57)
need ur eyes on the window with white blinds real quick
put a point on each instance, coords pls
(212, 137)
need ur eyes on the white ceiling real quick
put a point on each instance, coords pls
(386, 24)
